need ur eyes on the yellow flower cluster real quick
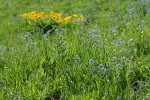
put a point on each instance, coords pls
(34, 15)
(53, 15)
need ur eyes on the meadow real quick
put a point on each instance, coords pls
(105, 57)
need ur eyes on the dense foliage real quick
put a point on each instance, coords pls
(104, 57)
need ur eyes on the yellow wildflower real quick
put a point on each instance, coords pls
(53, 15)
(67, 19)
(81, 18)
(75, 15)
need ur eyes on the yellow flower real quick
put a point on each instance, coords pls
(34, 15)
(61, 21)
(24, 15)
(67, 19)
(75, 15)
(55, 16)
(81, 18)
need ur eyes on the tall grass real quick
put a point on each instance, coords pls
(107, 57)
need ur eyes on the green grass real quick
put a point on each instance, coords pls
(105, 58)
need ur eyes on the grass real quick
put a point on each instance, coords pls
(107, 57)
